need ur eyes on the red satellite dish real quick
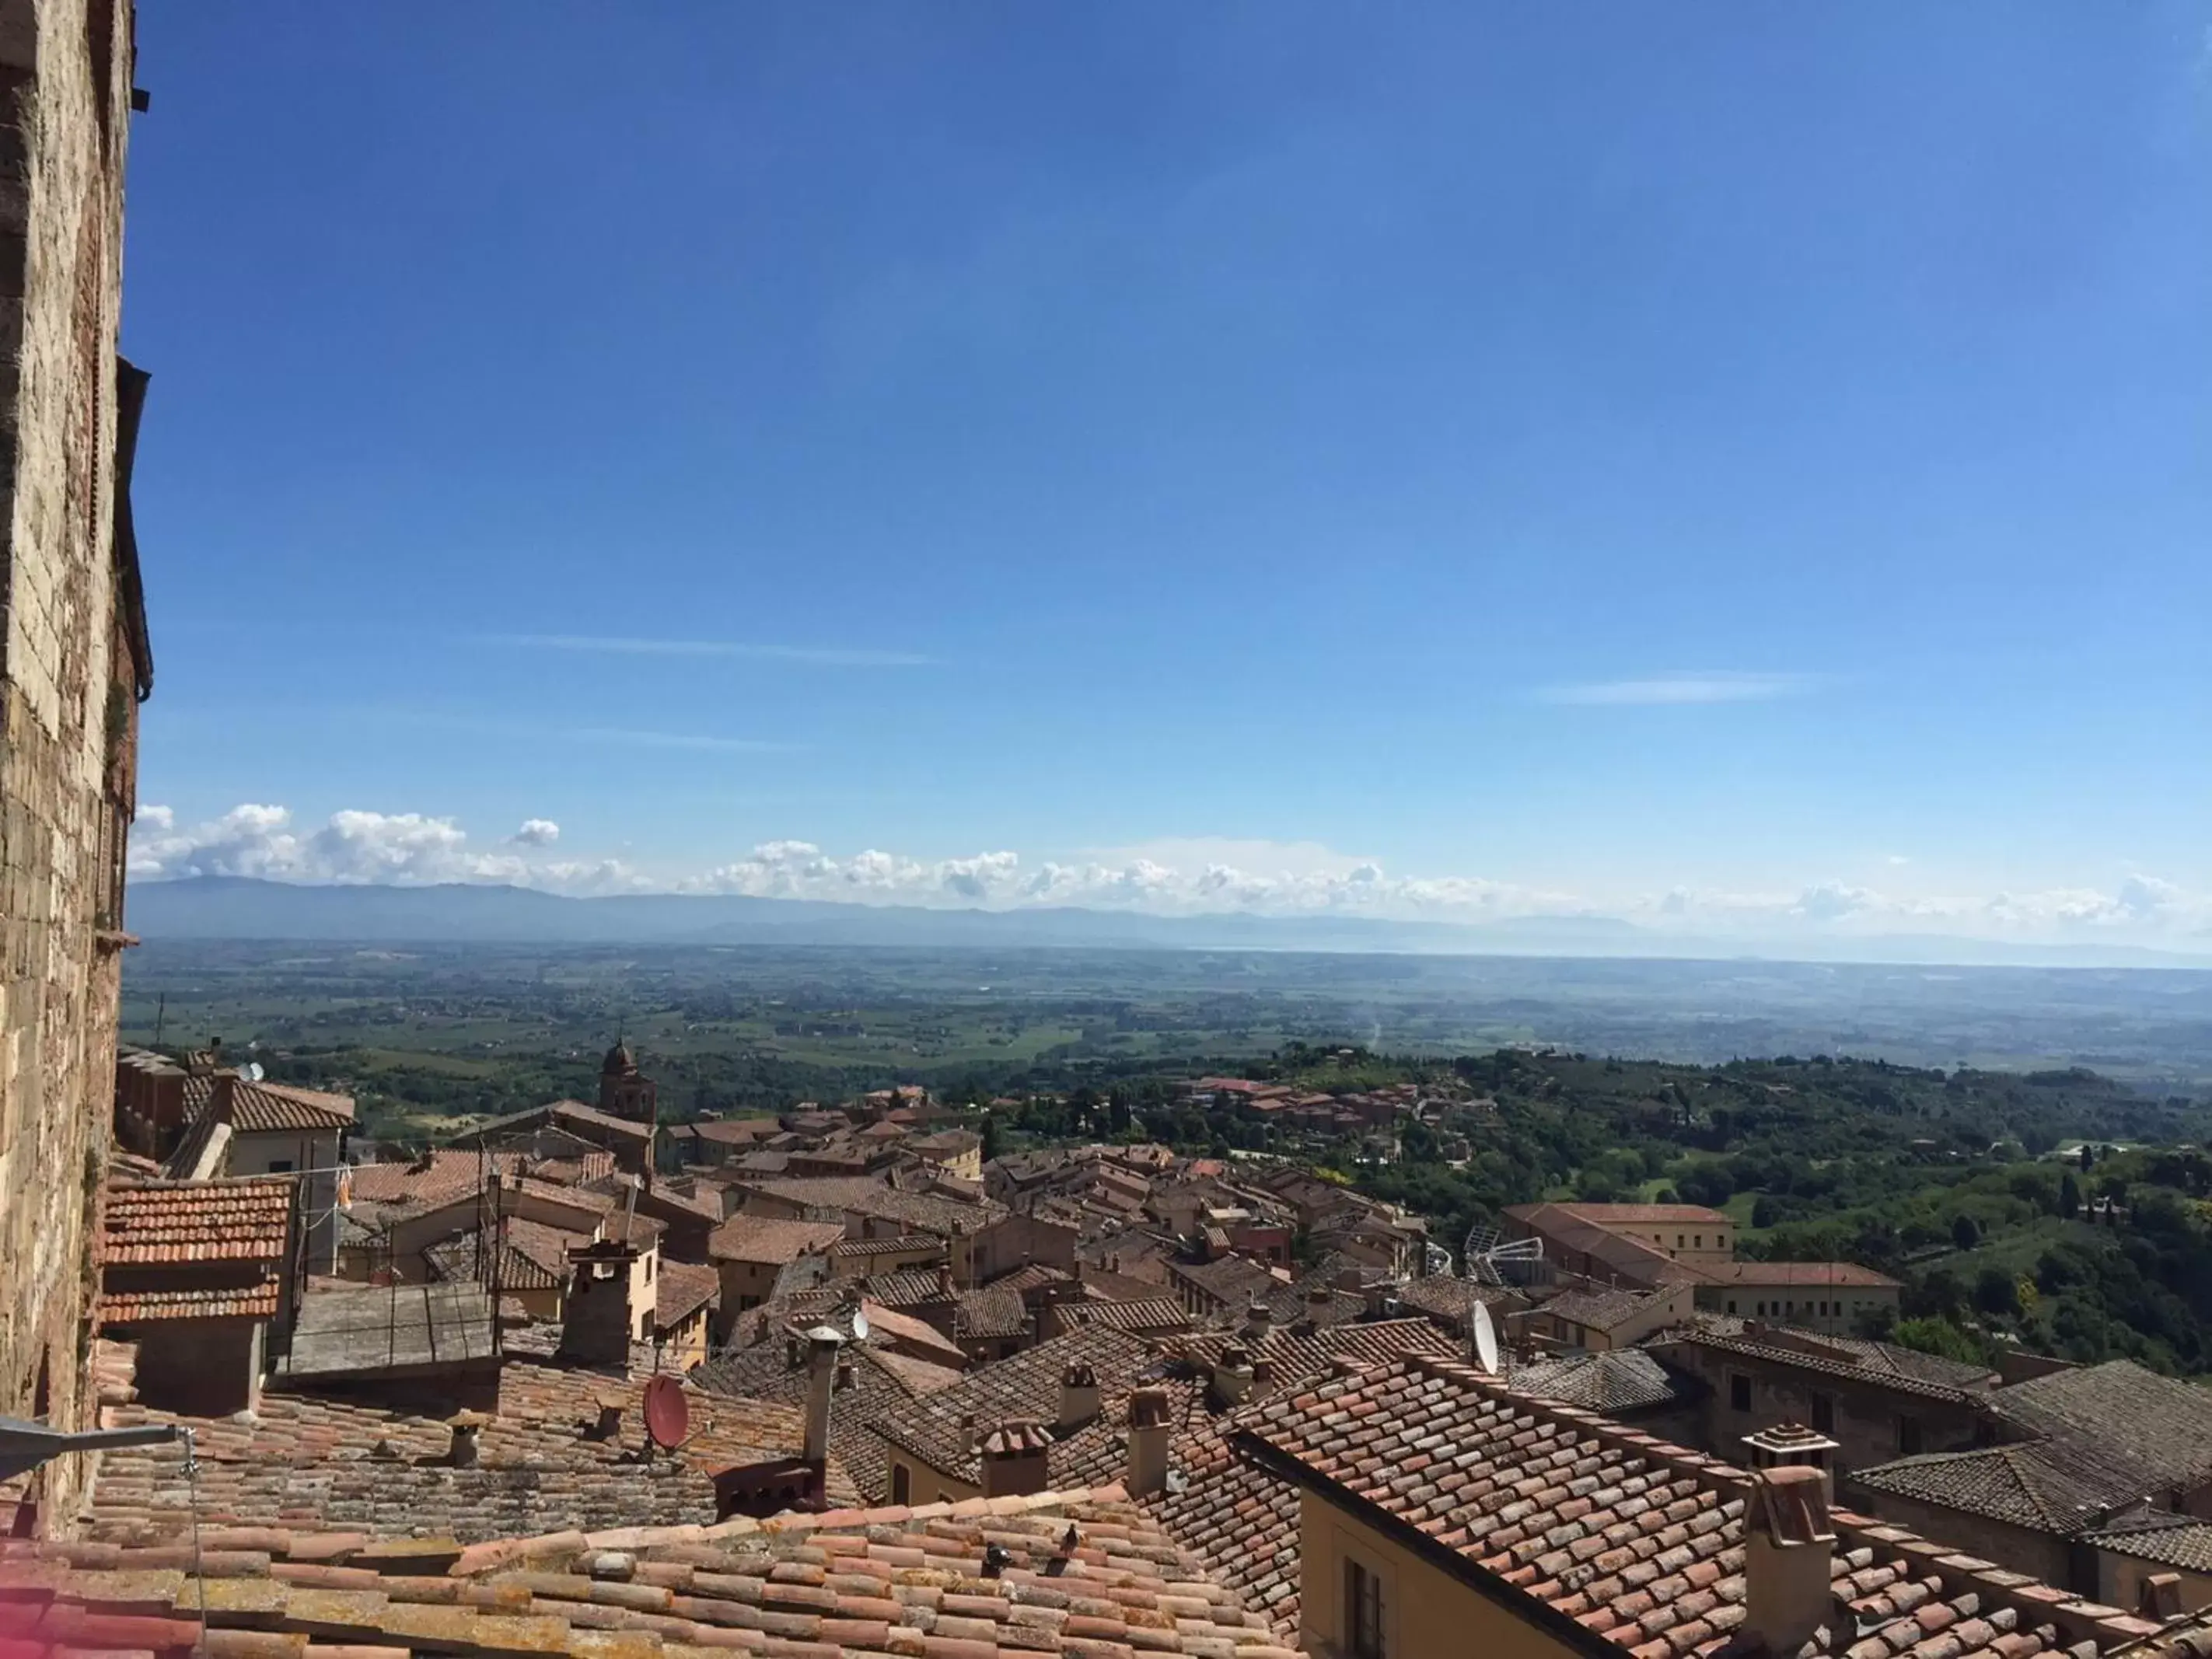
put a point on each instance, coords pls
(668, 1413)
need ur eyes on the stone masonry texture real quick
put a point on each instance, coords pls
(66, 78)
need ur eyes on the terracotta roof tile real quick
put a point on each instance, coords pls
(379, 1469)
(1637, 1540)
(1084, 1572)
(168, 1223)
(681, 1289)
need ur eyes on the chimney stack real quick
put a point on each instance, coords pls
(1259, 1321)
(463, 1453)
(1382, 1299)
(1078, 1397)
(967, 1433)
(821, 1378)
(1792, 1445)
(1017, 1458)
(1232, 1377)
(1787, 1544)
(1148, 1441)
(2161, 1596)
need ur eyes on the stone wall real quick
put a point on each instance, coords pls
(65, 77)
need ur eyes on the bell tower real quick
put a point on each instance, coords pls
(625, 1092)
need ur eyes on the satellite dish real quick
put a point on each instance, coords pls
(668, 1413)
(860, 1325)
(254, 1073)
(1485, 1339)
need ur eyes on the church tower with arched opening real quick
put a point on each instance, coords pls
(625, 1092)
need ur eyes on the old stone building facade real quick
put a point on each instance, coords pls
(74, 666)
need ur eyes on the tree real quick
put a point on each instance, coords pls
(1996, 1293)
(2070, 1196)
(1965, 1233)
(2088, 1155)
(991, 1137)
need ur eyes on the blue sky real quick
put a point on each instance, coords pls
(1453, 459)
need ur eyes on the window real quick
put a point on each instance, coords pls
(1824, 1414)
(1731, 1304)
(1739, 1393)
(280, 1166)
(902, 1482)
(1363, 1611)
(1678, 1240)
(1700, 1241)
(1762, 1311)
(1908, 1437)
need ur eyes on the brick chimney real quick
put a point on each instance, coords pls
(1148, 1441)
(1078, 1398)
(1258, 1321)
(605, 1296)
(821, 1345)
(1017, 1458)
(1787, 1544)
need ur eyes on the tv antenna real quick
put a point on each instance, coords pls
(1486, 1256)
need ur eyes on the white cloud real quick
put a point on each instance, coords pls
(1163, 878)
(1681, 687)
(820, 656)
(353, 847)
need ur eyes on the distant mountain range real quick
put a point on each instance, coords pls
(240, 908)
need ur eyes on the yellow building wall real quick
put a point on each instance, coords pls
(2120, 1582)
(924, 1485)
(1426, 1611)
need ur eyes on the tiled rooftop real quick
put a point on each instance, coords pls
(1800, 1276)
(880, 1383)
(1598, 1310)
(1152, 1317)
(1825, 1355)
(862, 1196)
(680, 1289)
(2040, 1486)
(273, 1108)
(1616, 1380)
(381, 1469)
(905, 1244)
(2171, 1541)
(991, 1313)
(1026, 1385)
(2120, 1413)
(1637, 1540)
(762, 1239)
(1084, 1572)
(1241, 1520)
(168, 1223)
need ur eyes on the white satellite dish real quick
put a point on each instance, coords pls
(1485, 1339)
(254, 1073)
(860, 1325)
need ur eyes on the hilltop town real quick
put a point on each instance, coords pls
(835, 1382)
(1324, 1353)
